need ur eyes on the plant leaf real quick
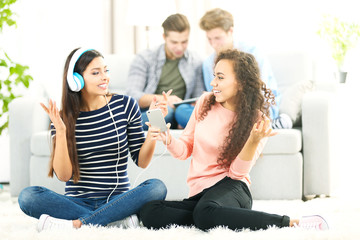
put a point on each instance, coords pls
(3, 63)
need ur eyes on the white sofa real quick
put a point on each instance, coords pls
(295, 163)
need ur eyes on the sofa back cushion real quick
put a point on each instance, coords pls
(291, 67)
(119, 65)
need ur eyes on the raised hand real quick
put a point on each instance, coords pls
(161, 103)
(54, 115)
(261, 130)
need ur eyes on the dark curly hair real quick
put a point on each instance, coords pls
(252, 98)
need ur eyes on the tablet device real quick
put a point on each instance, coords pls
(190, 100)
(156, 119)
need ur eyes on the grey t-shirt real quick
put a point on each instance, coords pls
(171, 79)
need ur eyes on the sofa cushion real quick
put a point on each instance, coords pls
(40, 144)
(118, 65)
(292, 99)
(290, 68)
(287, 141)
(285, 179)
(160, 147)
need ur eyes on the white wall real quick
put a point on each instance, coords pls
(277, 25)
(47, 32)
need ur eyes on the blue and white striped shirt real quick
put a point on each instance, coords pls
(98, 144)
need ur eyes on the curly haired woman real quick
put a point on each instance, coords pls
(225, 135)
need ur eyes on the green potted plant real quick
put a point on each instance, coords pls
(341, 36)
(13, 75)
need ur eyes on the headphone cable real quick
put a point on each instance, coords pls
(166, 139)
(117, 163)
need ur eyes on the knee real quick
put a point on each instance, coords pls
(179, 117)
(144, 119)
(204, 216)
(158, 189)
(144, 126)
(148, 213)
(183, 113)
(27, 197)
(170, 117)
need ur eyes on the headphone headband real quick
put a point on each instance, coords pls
(74, 79)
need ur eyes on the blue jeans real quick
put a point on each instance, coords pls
(35, 201)
(183, 113)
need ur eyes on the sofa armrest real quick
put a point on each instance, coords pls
(319, 148)
(25, 118)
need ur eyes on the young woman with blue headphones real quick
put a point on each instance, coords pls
(92, 135)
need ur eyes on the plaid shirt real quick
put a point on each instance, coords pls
(145, 71)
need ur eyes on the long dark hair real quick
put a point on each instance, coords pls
(70, 109)
(253, 97)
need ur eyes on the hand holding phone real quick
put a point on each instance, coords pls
(156, 119)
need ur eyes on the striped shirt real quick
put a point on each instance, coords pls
(103, 150)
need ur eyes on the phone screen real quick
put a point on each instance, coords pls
(156, 119)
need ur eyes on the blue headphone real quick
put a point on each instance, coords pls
(75, 80)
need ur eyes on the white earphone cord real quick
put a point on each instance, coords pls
(117, 163)
(166, 139)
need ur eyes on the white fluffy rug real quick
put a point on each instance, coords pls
(342, 216)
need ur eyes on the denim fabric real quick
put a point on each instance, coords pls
(35, 201)
(183, 113)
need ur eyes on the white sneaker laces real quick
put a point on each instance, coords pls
(309, 225)
(315, 222)
(48, 222)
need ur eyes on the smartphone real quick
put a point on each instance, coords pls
(156, 119)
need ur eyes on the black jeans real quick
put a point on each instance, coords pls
(227, 203)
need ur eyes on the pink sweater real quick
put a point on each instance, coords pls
(202, 140)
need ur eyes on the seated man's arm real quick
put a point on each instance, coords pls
(199, 82)
(145, 100)
(138, 80)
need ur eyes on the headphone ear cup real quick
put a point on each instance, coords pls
(79, 80)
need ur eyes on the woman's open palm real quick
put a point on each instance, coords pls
(261, 130)
(54, 115)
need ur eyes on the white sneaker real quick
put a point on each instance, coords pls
(47, 222)
(313, 222)
(129, 222)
